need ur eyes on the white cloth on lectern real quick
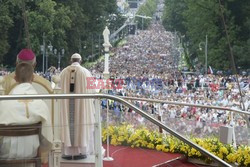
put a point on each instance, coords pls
(14, 112)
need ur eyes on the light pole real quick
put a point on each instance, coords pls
(205, 53)
(50, 47)
(136, 26)
(142, 23)
(180, 50)
(45, 52)
(59, 56)
(99, 44)
(97, 47)
(142, 19)
(92, 46)
(84, 51)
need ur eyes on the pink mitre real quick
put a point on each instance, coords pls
(26, 55)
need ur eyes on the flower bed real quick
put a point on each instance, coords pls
(142, 137)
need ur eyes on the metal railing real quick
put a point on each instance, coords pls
(187, 104)
(133, 107)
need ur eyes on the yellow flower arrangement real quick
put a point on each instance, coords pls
(142, 137)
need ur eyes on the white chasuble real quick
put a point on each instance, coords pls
(80, 138)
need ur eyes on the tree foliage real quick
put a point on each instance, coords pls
(147, 9)
(73, 25)
(6, 22)
(196, 19)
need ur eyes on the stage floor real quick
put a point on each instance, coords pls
(125, 156)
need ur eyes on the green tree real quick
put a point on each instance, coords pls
(173, 17)
(42, 17)
(89, 19)
(66, 24)
(147, 9)
(6, 22)
(196, 19)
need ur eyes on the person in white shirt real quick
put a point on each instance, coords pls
(23, 112)
(172, 113)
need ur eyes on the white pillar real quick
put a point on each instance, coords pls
(106, 63)
(106, 45)
(57, 144)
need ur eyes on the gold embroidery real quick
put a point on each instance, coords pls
(26, 106)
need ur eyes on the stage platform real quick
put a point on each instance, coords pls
(125, 156)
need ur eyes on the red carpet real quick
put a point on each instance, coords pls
(136, 157)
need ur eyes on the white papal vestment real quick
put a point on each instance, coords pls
(15, 112)
(80, 138)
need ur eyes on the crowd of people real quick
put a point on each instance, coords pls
(148, 70)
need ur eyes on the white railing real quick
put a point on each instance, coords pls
(98, 126)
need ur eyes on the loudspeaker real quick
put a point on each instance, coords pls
(132, 29)
(226, 134)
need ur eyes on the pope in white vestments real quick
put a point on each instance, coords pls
(77, 115)
(14, 112)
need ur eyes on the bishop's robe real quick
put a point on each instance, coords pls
(74, 77)
(14, 112)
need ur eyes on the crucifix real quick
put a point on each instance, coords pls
(26, 106)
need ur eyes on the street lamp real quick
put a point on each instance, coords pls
(202, 43)
(50, 48)
(142, 23)
(142, 19)
(136, 26)
(84, 48)
(180, 50)
(59, 56)
(45, 49)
